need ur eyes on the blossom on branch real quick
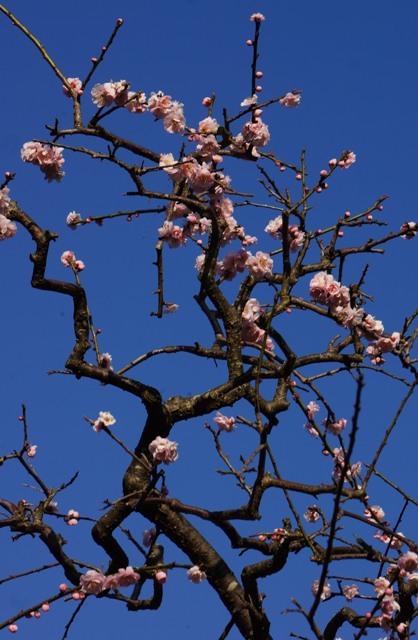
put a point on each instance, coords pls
(92, 582)
(196, 575)
(224, 423)
(105, 419)
(163, 450)
(326, 589)
(290, 100)
(75, 83)
(7, 228)
(260, 266)
(4, 198)
(48, 159)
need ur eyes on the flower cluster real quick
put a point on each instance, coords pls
(290, 100)
(168, 110)
(326, 290)
(68, 259)
(250, 331)
(4, 198)
(163, 450)
(93, 582)
(339, 467)
(48, 159)
(295, 237)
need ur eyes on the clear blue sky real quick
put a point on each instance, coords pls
(356, 65)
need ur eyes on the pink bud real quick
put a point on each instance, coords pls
(206, 102)
(288, 310)
(332, 162)
(129, 219)
(258, 112)
(161, 577)
(325, 452)
(249, 43)
(323, 173)
(45, 607)
(98, 331)
(80, 92)
(341, 163)
(347, 214)
(340, 234)
(318, 189)
(88, 219)
(20, 418)
(199, 242)
(293, 383)
(325, 185)
(104, 48)
(277, 163)
(13, 628)
(76, 596)
(389, 591)
(380, 207)
(7, 174)
(318, 232)
(306, 189)
(282, 168)
(37, 614)
(369, 217)
(94, 60)
(259, 88)
(368, 615)
(259, 74)
(63, 587)
(298, 176)
(262, 538)
(120, 21)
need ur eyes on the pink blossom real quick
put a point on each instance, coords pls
(13, 628)
(223, 207)
(207, 126)
(260, 266)
(387, 344)
(374, 513)
(4, 198)
(256, 133)
(208, 147)
(311, 429)
(380, 586)
(388, 607)
(201, 179)
(7, 228)
(311, 514)
(136, 102)
(196, 575)
(170, 307)
(200, 260)
(160, 577)
(249, 102)
(312, 408)
(336, 427)
(371, 325)
(233, 263)
(274, 227)
(224, 423)
(350, 317)
(410, 230)
(45, 607)
(172, 234)
(290, 100)
(105, 94)
(395, 543)
(350, 591)
(48, 159)
(123, 578)
(252, 333)
(105, 361)
(173, 168)
(408, 562)
(75, 83)
(68, 258)
(92, 582)
(257, 17)
(163, 450)
(148, 537)
(105, 419)
(159, 104)
(326, 589)
(72, 219)
(326, 290)
(174, 121)
(206, 102)
(31, 450)
(252, 310)
(348, 160)
(72, 518)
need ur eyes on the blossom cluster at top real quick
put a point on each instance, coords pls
(328, 291)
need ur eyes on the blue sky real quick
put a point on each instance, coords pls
(356, 65)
